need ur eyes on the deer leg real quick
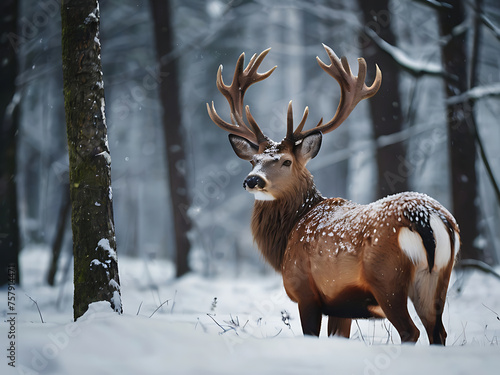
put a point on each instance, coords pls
(431, 317)
(439, 333)
(395, 306)
(428, 296)
(310, 318)
(339, 326)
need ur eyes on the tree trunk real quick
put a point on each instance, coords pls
(385, 107)
(59, 235)
(94, 245)
(9, 122)
(167, 79)
(462, 144)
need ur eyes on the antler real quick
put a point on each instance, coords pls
(353, 89)
(235, 93)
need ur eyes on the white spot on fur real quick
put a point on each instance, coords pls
(262, 195)
(457, 244)
(443, 245)
(412, 245)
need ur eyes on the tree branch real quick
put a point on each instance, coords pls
(476, 93)
(408, 63)
(490, 25)
(477, 264)
(435, 4)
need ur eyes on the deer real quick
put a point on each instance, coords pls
(336, 257)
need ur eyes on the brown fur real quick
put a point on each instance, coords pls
(357, 270)
(272, 221)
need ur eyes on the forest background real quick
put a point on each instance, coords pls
(402, 139)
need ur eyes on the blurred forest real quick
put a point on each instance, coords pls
(410, 120)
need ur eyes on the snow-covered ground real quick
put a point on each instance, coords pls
(227, 325)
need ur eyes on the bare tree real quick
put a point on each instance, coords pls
(461, 127)
(385, 107)
(94, 245)
(9, 120)
(174, 142)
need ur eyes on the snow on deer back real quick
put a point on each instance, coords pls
(346, 226)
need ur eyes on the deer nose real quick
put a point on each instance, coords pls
(252, 181)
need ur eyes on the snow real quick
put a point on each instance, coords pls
(103, 114)
(247, 331)
(92, 17)
(106, 246)
(476, 93)
(106, 156)
(409, 62)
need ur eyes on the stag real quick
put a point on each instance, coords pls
(336, 257)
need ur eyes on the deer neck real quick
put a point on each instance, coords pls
(272, 221)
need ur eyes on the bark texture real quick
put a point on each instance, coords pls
(94, 245)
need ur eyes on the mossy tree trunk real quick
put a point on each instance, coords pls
(9, 226)
(94, 245)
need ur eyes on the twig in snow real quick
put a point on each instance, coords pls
(285, 318)
(173, 303)
(387, 327)
(464, 341)
(224, 330)
(359, 330)
(159, 307)
(214, 304)
(276, 335)
(234, 323)
(498, 317)
(139, 309)
(38, 308)
(201, 325)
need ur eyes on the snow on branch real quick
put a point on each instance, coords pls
(490, 25)
(435, 4)
(476, 93)
(406, 62)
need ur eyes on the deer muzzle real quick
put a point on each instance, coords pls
(254, 182)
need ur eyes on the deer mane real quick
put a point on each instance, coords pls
(272, 221)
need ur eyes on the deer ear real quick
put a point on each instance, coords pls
(243, 147)
(309, 147)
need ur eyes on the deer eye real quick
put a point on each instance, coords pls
(287, 163)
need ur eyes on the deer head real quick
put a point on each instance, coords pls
(277, 166)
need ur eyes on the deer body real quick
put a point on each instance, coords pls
(338, 258)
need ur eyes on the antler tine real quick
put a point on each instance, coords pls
(234, 93)
(353, 89)
(291, 135)
(302, 122)
(242, 131)
(260, 137)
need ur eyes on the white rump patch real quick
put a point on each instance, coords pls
(412, 245)
(262, 196)
(443, 245)
(457, 243)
